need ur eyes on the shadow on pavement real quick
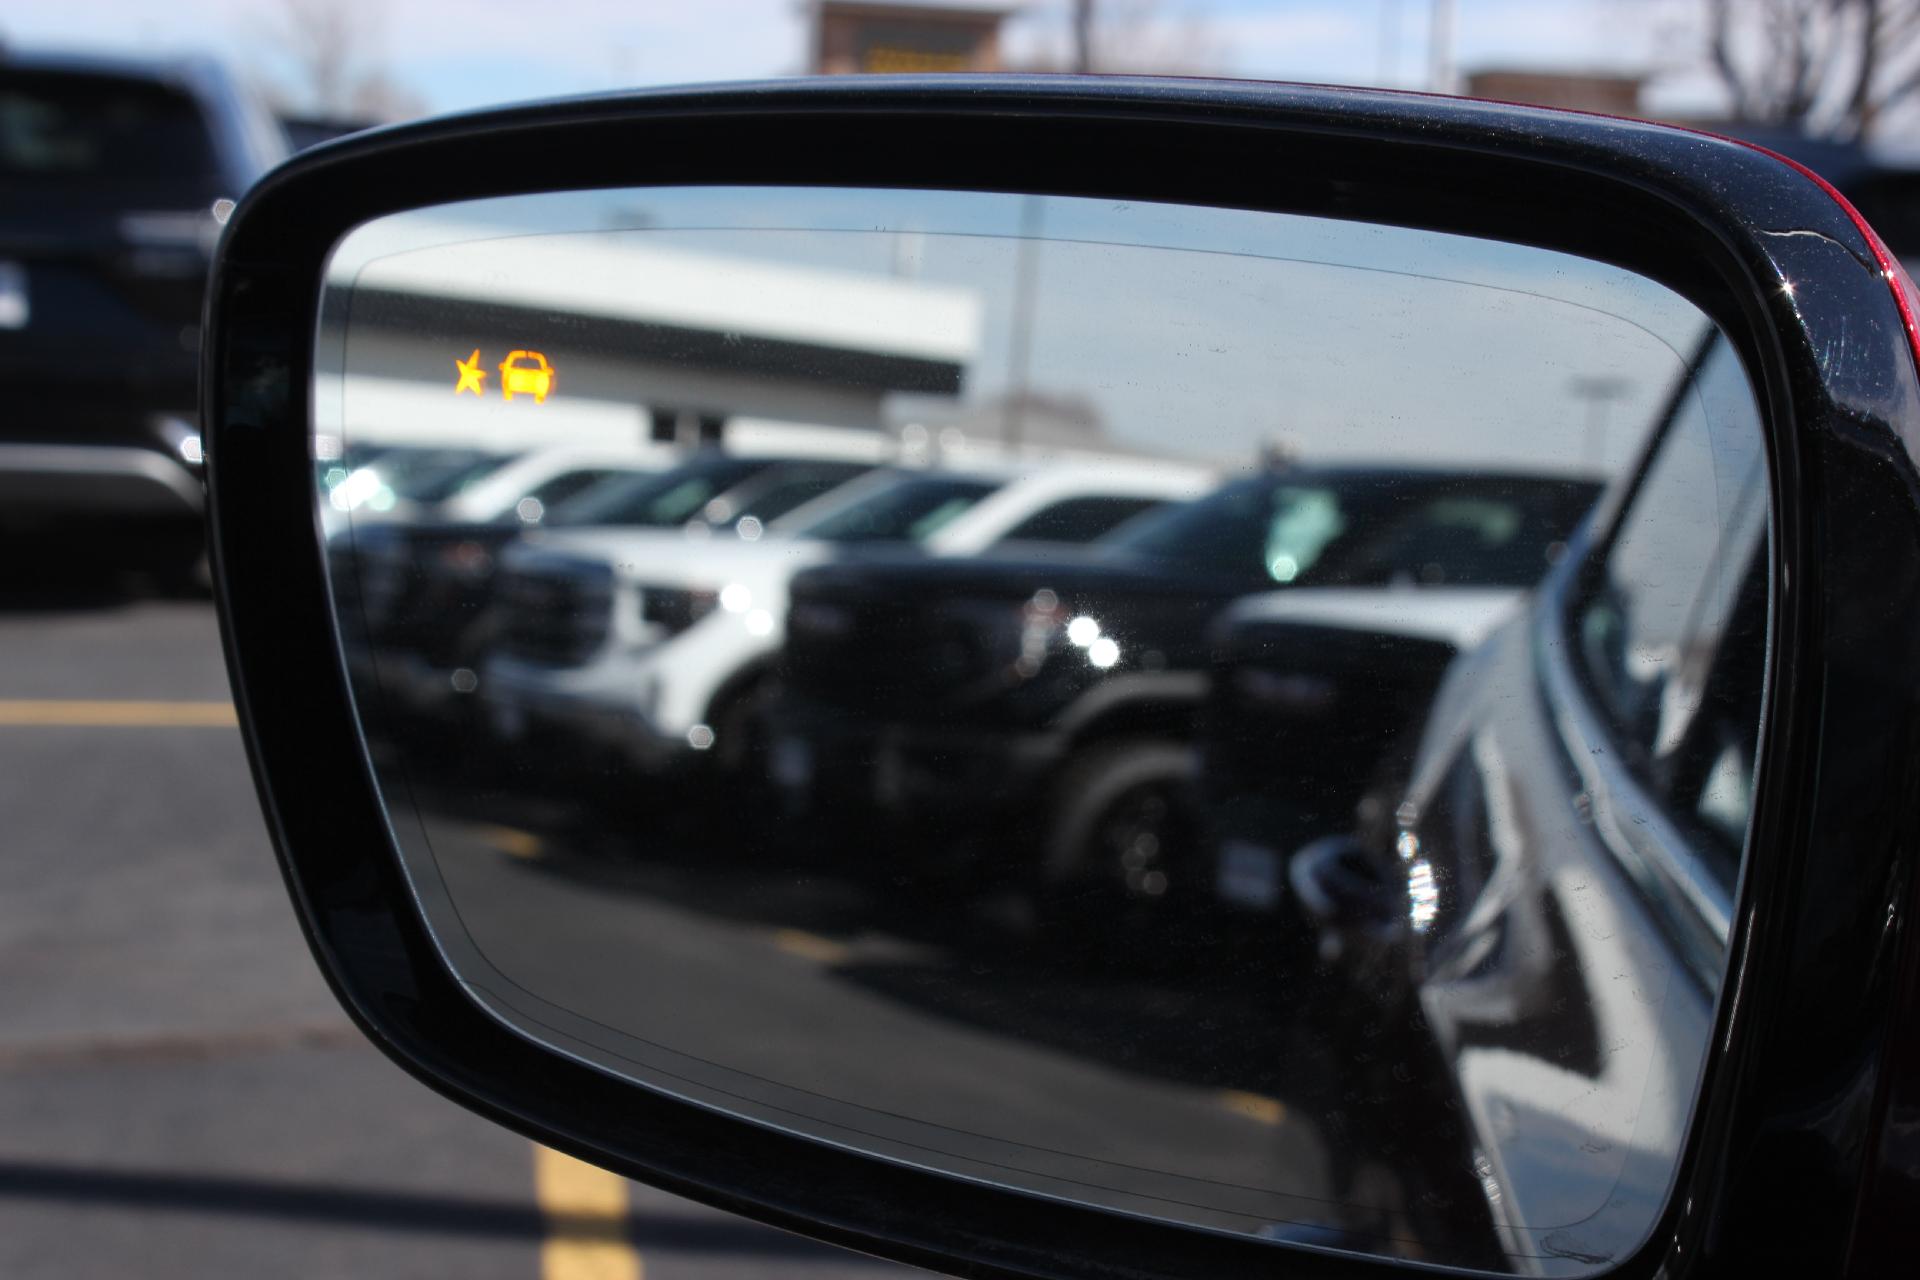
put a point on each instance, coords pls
(393, 1210)
(85, 588)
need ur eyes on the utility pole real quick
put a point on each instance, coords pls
(1389, 43)
(1599, 393)
(1026, 269)
(1440, 47)
(1083, 37)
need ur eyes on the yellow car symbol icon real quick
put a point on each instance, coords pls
(526, 373)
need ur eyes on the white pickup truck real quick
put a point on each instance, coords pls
(686, 628)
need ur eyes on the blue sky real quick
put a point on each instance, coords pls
(453, 54)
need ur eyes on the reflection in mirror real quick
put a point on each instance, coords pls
(1243, 719)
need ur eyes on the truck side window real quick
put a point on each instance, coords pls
(1076, 520)
(568, 483)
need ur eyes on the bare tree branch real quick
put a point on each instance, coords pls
(1831, 66)
(1720, 47)
(333, 48)
(1861, 107)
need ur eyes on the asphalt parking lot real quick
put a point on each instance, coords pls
(179, 1094)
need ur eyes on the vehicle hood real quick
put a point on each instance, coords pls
(1460, 617)
(669, 557)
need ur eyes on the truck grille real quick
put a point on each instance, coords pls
(893, 659)
(560, 615)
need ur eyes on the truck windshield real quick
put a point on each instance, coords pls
(907, 511)
(69, 126)
(1370, 528)
(658, 501)
(434, 475)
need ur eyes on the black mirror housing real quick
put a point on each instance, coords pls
(1815, 1069)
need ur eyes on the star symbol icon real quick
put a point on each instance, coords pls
(472, 376)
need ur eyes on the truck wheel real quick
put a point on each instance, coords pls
(1123, 851)
(739, 794)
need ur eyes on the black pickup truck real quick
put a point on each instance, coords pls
(1030, 719)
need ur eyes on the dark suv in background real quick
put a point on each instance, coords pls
(112, 178)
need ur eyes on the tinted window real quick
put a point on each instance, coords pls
(532, 506)
(670, 498)
(1483, 535)
(1705, 763)
(567, 484)
(434, 475)
(1228, 532)
(1683, 575)
(63, 126)
(778, 491)
(1079, 519)
(910, 510)
(1371, 529)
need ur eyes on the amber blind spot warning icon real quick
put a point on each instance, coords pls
(526, 373)
(521, 373)
(472, 376)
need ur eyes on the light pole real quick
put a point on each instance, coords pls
(1599, 392)
(1440, 47)
(1389, 42)
(1026, 272)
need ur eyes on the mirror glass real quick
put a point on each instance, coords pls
(1237, 718)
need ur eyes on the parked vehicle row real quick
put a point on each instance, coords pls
(634, 605)
(1269, 715)
(1071, 687)
(1124, 647)
(1129, 690)
(671, 646)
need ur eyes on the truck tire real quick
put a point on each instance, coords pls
(1123, 851)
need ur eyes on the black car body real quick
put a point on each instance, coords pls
(1885, 189)
(1028, 673)
(109, 176)
(1540, 905)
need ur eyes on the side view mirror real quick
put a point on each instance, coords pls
(1069, 678)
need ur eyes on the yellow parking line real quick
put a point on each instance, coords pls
(88, 713)
(1254, 1106)
(810, 946)
(586, 1211)
(510, 840)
